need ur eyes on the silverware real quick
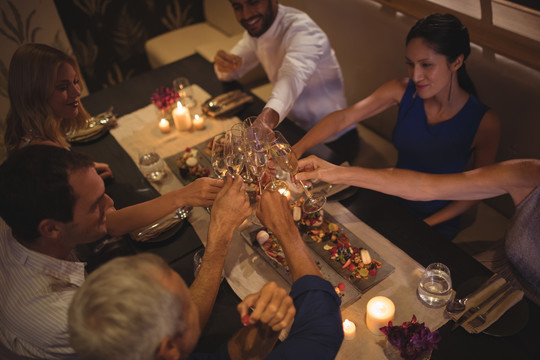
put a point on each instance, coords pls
(158, 227)
(458, 305)
(482, 318)
(475, 309)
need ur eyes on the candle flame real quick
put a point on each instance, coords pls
(164, 121)
(196, 116)
(179, 104)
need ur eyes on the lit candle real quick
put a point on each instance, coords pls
(380, 310)
(285, 193)
(181, 117)
(198, 122)
(349, 329)
(164, 126)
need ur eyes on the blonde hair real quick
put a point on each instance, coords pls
(31, 82)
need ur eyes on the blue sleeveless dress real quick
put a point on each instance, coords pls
(438, 149)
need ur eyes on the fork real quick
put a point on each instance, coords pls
(482, 318)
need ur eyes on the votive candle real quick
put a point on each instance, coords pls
(181, 117)
(164, 126)
(380, 310)
(198, 122)
(349, 329)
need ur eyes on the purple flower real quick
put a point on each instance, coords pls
(411, 338)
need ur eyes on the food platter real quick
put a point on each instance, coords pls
(331, 269)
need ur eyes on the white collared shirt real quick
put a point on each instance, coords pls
(35, 293)
(298, 60)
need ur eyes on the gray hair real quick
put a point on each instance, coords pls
(123, 311)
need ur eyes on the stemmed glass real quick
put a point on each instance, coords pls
(282, 153)
(218, 155)
(256, 149)
(234, 154)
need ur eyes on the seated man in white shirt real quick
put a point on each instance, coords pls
(52, 200)
(298, 60)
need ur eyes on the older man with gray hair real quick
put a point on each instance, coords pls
(138, 308)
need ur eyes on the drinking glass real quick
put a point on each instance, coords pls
(435, 287)
(282, 153)
(256, 150)
(185, 91)
(151, 164)
(234, 155)
(218, 156)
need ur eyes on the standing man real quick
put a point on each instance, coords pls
(298, 60)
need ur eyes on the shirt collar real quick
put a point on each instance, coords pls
(71, 271)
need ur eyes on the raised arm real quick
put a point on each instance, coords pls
(201, 192)
(515, 177)
(387, 95)
(230, 209)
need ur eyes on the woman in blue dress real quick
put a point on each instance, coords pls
(441, 123)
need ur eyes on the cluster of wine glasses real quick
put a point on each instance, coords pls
(248, 147)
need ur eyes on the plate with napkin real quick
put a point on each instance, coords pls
(162, 229)
(227, 104)
(95, 127)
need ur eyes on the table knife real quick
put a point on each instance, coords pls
(475, 309)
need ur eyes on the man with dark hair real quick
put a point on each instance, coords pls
(159, 319)
(53, 199)
(299, 62)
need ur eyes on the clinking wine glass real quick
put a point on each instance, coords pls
(282, 153)
(218, 156)
(234, 156)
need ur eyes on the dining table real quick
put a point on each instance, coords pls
(404, 238)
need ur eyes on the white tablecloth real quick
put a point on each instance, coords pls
(246, 272)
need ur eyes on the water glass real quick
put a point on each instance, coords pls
(185, 91)
(151, 165)
(435, 287)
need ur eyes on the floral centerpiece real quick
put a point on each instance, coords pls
(164, 99)
(413, 340)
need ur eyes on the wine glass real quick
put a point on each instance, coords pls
(234, 155)
(183, 87)
(218, 156)
(286, 158)
(256, 149)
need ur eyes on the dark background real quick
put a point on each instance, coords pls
(108, 37)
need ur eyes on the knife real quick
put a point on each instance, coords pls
(475, 309)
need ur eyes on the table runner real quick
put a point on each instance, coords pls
(246, 273)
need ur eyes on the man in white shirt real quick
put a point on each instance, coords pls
(297, 58)
(52, 200)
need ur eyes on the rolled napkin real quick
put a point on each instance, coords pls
(95, 127)
(159, 226)
(509, 301)
(226, 104)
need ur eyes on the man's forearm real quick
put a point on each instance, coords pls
(206, 285)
